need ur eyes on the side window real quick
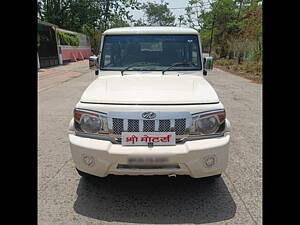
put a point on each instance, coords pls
(107, 56)
(195, 58)
(112, 54)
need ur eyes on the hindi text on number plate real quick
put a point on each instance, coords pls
(143, 138)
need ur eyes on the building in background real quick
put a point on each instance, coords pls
(47, 45)
(56, 45)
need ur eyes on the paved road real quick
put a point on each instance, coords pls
(65, 198)
(52, 76)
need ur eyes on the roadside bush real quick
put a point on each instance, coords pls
(248, 68)
(68, 39)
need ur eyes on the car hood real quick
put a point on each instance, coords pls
(150, 89)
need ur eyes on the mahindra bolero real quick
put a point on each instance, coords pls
(150, 110)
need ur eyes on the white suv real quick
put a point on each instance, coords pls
(150, 111)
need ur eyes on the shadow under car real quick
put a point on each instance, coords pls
(154, 199)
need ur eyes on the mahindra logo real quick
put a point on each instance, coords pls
(148, 115)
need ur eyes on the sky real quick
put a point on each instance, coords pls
(172, 4)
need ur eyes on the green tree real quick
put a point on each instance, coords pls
(180, 18)
(90, 17)
(158, 14)
(195, 14)
(139, 22)
(115, 13)
(54, 11)
(232, 26)
(74, 14)
(94, 36)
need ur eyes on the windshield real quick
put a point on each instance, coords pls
(150, 52)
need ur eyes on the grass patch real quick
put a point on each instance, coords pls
(247, 69)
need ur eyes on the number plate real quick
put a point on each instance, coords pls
(144, 138)
(147, 160)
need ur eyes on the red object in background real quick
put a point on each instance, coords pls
(75, 54)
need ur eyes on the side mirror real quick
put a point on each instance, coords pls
(208, 63)
(93, 62)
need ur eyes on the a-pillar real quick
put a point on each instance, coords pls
(38, 61)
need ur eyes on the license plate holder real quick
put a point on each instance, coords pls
(148, 138)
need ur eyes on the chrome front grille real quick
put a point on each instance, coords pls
(118, 126)
(180, 126)
(133, 125)
(178, 122)
(165, 125)
(148, 125)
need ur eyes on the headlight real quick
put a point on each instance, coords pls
(90, 124)
(90, 121)
(207, 123)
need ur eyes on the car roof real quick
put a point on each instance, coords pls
(150, 30)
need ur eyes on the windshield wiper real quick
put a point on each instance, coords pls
(137, 64)
(177, 64)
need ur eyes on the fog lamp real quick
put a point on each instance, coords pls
(210, 160)
(88, 160)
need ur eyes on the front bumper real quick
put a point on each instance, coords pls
(189, 158)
